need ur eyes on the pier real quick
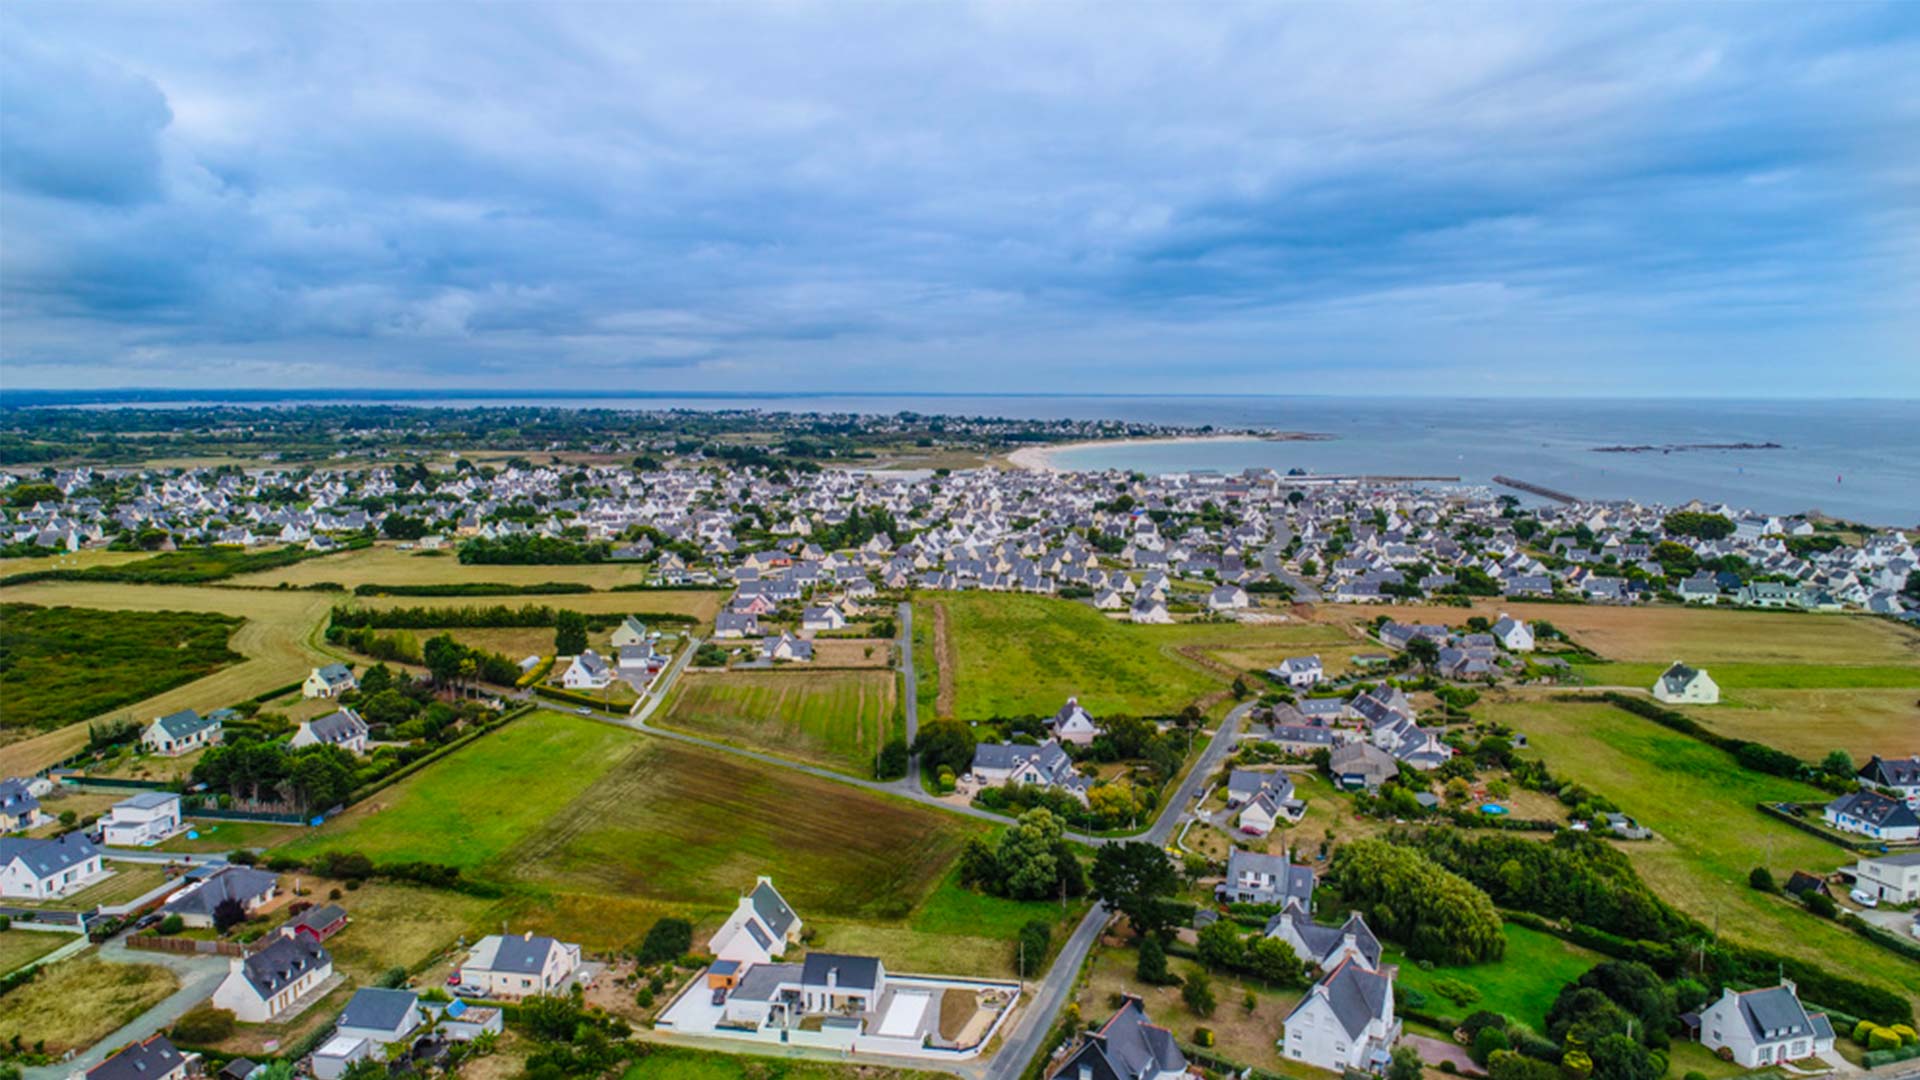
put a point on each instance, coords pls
(1535, 489)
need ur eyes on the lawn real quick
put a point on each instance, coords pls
(678, 824)
(1007, 655)
(835, 719)
(468, 808)
(225, 836)
(18, 948)
(62, 665)
(128, 880)
(1709, 836)
(391, 924)
(1811, 722)
(1522, 984)
(74, 1004)
(683, 1063)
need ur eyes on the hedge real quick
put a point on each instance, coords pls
(536, 673)
(474, 588)
(1811, 829)
(1889, 941)
(559, 694)
(1873, 1059)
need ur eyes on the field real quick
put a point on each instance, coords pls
(1009, 654)
(1243, 1036)
(385, 564)
(225, 836)
(75, 1003)
(78, 560)
(683, 1063)
(63, 665)
(18, 948)
(835, 719)
(391, 924)
(1811, 722)
(1733, 678)
(279, 640)
(1522, 984)
(468, 808)
(1701, 806)
(702, 604)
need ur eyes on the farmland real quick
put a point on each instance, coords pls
(18, 948)
(1708, 834)
(702, 604)
(1811, 722)
(73, 1004)
(63, 665)
(836, 719)
(385, 564)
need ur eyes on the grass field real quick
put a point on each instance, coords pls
(702, 604)
(835, 719)
(1011, 654)
(1709, 836)
(78, 560)
(1522, 984)
(385, 564)
(468, 808)
(1812, 722)
(391, 924)
(682, 1063)
(1734, 678)
(74, 1004)
(1699, 635)
(673, 823)
(63, 665)
(18, 948)
(225, 836)
(280, 640)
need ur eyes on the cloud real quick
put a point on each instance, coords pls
(1023, 197)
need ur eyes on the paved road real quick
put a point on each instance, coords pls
(912, 779)
(1270, 560)
(199, 977)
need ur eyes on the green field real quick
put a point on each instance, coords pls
(1521, 985)
(682, 1063)
(470, 807)
(1008, 654)
(62, 665)
(1709, 836)
(18, 948)
(1745, 676)
(835, 719)
(224, 836)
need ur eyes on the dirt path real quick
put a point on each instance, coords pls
(944, 660)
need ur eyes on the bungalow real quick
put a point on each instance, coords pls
(786, 647)
(48, 869)
(248, 887)
(1701, 588)
(180, 733)
(1148, 610)
(19, 807)
(329, 682)
(826, 617)
(153, 1059)
(504, 966)
(1299, 672)
(1346, 1021)
(1683, 685)
(317, 923)
(1325, 947)
(1073, 724)
(143, 819)
(1513, 634)
(588, 671)
(1763, 1027)
(1253, 878)
(262, 986)
(733, 624)
(1891, 878)
(836, 982)
(759, 930)
(1873, 814)
(381, 1017)
(342, 728)
(1128, 1046)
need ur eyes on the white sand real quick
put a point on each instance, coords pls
(1040, 458)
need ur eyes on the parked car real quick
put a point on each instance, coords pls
(1865, 898)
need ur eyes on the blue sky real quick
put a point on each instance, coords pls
(1532, 199)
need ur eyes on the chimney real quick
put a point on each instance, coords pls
(526, 935)
(1791, 987)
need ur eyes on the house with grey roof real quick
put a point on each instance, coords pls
(1045, 765)
(588, 671)
(141, 820)
(380, 1016)
(517, 966)
(48, 869)
(1346, 1021)
(329, 682)
(180, 733)
(759, 930)
(1683, 685)
(1253, 878)
(735, 624)
(1126, 1047)
(264, 985)
(1362, 765)
(342, 728)
(249, 887)
(19, 806)
(1870, 813)
(1326, 946)
(1765, 1027)
(155, 1058)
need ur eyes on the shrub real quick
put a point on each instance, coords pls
(1030, 948)
(1822, 905)
(668, 938)
(1883, 1039)
(1486, 1042)
(1198, 994)
(203, 1025)
(172, 924)
(1152, 966)
(1203, 1037)
(1761, 879)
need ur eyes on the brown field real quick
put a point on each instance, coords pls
(1811, 722)
(385, 564)
(76, 1003)
(79, 560)
(702, 604)
(852, 652)
(394, 925)
(1700, 635)
(281, 641)
(836, 719)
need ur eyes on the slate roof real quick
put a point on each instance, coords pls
(15, 799)
(148, 800)
(850, 972)
(772, 908)
(1356, 995)
(335, 674)
(1875, 809)
(48, 857)
(181, 724)
(282, 963)
(1678, 677)
(763, 981)
(1125, 1047)
(242, 883)
(139, 1061)
(337, 727)
(1323, 940)
(1774, 1014)
(522, 955)
(1891, 772)
(377, 1009)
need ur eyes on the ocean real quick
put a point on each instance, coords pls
(1854, 459)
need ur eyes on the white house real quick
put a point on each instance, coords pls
(1073, 724)
(1901, 776)
(19, 806)
(1325, 947)
(47, 869)
(146, 818)
(631, 631)
(1763, 1027)
(1149, 610)
(381, 1017)
(1683, 685)
(1870, 813)
(1345, 1022)
(825, 617)
(759, 930)
(328, 682)
(588, 671)
(342, 728)
(180, 733)
(1513, 634)
(1227, 598)
(504, 966)
(1890, 878)
(1299, 672)
(260, 987)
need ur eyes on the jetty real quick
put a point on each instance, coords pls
(1535, 489)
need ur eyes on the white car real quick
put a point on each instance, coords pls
(1865, 898)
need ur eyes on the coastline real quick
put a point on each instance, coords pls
(1040, 458)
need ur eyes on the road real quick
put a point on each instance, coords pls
(1270, 561)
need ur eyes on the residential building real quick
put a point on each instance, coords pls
(1299, 672)
(153, 1058)
(19, 806)
(1683, 685)
(143, 819)
(1889, 878)
(759, 930)
(1899, 776)
(588, 671)
(329, 682)
(249, 887)
(1345, 1022)
(509, 966)
(381, 1017)
(48, 869)
(342, 728)
(1325, 947)
(1870, 813)
(260, 987)
(180, 733)
(1253, 878)
(1126, 1047)
(1765, 1027)
(1073, 724)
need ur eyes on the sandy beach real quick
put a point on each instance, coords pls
(1040, 458)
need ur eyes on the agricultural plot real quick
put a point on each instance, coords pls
(702, 604)
(385, 564)
(836, 719)
(1708, 834)
(63, 665)
(1736, 677)
(77, 1002)
(1811, 722)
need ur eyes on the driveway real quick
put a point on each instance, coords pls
(199, 977)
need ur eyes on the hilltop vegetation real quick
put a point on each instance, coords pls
(61, 665)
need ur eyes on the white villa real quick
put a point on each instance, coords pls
(502, 966)
(146, 818)
(1683, 685)
(759, 930)
(1764, 1027)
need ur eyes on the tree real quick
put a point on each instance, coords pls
(443, 656)
(1760, 879)
(1509, 1065)
(893, 760)
(1221, 947)
(1152, 965)
(947, 743)
(228, 914)
(1272, 961)
(1424, 651)
(1030, 948)
(1403, 1063)
(1198, 994)
(1618, 1057)
(1028, 855)
(1133, 878)
(1486, 1041)
(1837, 763)
(569, 633)
(668, 939)
(1436, 914)
(1698, 525)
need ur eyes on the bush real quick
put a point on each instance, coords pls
(1030, 948)
(1198, 994)
(1883, 1039)
(1486, 1042)
(1821, 904)
(667, 939)
(1203, 1037)
(172, 924)
(203, 1025)
(1761, 879)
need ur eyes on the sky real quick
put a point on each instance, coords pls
(1536, 199)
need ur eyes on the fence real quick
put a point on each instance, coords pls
(156, 943)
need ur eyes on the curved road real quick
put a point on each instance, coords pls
(1270, 561)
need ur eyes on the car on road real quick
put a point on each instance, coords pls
(583, 711)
